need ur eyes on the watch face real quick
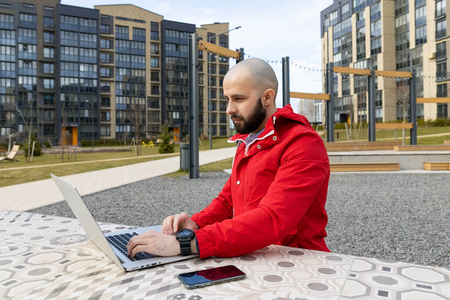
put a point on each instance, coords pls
(185, 233)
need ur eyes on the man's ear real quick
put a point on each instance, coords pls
(268, 97)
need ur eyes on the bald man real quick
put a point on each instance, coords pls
(278, 186)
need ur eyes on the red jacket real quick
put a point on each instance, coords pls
(275, 195)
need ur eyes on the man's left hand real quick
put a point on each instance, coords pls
(155, 243)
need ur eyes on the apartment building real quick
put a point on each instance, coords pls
(112, 72)
(395, 35)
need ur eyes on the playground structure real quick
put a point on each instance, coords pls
(371, 75)
(195, 45)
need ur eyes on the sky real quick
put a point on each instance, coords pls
(270, 30)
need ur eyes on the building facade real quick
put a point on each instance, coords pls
(112, 72)
(390, 35)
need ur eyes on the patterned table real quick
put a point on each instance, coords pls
(46, 257)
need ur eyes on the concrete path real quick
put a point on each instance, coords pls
(26, 196)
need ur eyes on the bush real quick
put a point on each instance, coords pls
(440, 122)
(37, 147)
(166, 146)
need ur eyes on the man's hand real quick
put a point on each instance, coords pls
(175, 223)
(155, 243)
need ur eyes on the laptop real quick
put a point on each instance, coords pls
(113, 244)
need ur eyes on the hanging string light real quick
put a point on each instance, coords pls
(346, 76)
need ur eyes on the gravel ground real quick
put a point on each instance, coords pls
(399, 217)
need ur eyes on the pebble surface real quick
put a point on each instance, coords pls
(398, 217)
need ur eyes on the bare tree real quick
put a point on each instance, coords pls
(402, 101)
(28, 121)
(135, 112)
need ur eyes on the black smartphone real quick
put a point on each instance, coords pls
(201, 278)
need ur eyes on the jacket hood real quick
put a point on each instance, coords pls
(282, 113)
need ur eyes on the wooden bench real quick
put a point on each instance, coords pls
(393, 125)
(436, 166)
(364, 167)
(422, 148)
(361, 146)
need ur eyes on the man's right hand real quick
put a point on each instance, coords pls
(175, 223)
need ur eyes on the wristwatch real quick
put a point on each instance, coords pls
(185, 236)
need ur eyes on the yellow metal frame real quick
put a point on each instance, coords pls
(202, 45)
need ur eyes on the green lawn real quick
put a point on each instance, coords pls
(423, 133)
(41, 166)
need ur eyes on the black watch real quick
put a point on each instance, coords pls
(185, 236)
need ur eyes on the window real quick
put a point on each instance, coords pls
(421, 35)
(7, 37)
(105, 29)
(441, 50)
(49, 52)
(154, 49)
(27, 35)
(155, 35)
(441, 29)
(49, 37)
(122, 32)
(49, 22)
(7, 53)
(27, 82)
(106, 44)
(402, 20)
(375, 11)
(105, 101)
(7, 69)
(49, 115)
(138, 34)
(49, 99)
(105, 130)
(105, 116)
(440, 8)
(441, 90)
(154, 62)
(106, 58)
(333, 16)
(375, 28)
(441, 70)
(154, 76)
(155, 90)
(49, 84)
(48, 68)
(345, 8)
(375, 46)
(421, 15)
(31, 18)
(7, 21)
(105, 72)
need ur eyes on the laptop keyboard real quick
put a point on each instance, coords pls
(120, 242)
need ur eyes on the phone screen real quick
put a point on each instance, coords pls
(211, 276)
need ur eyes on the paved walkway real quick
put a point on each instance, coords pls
(26, 196)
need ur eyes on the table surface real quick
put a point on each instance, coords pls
(47, 257)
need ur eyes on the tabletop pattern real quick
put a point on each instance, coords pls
(46, 257)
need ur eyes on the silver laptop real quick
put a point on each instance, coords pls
(113, 244)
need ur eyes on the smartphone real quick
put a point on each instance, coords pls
(201, 278)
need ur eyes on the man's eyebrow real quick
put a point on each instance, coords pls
(237, 96)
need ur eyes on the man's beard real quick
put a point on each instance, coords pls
(253, 121)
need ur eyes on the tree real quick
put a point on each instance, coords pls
(27, 118)
(402, 100)
(166, 145)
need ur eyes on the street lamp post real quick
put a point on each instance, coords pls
(210, 40)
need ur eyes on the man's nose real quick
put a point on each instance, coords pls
(231, 109)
